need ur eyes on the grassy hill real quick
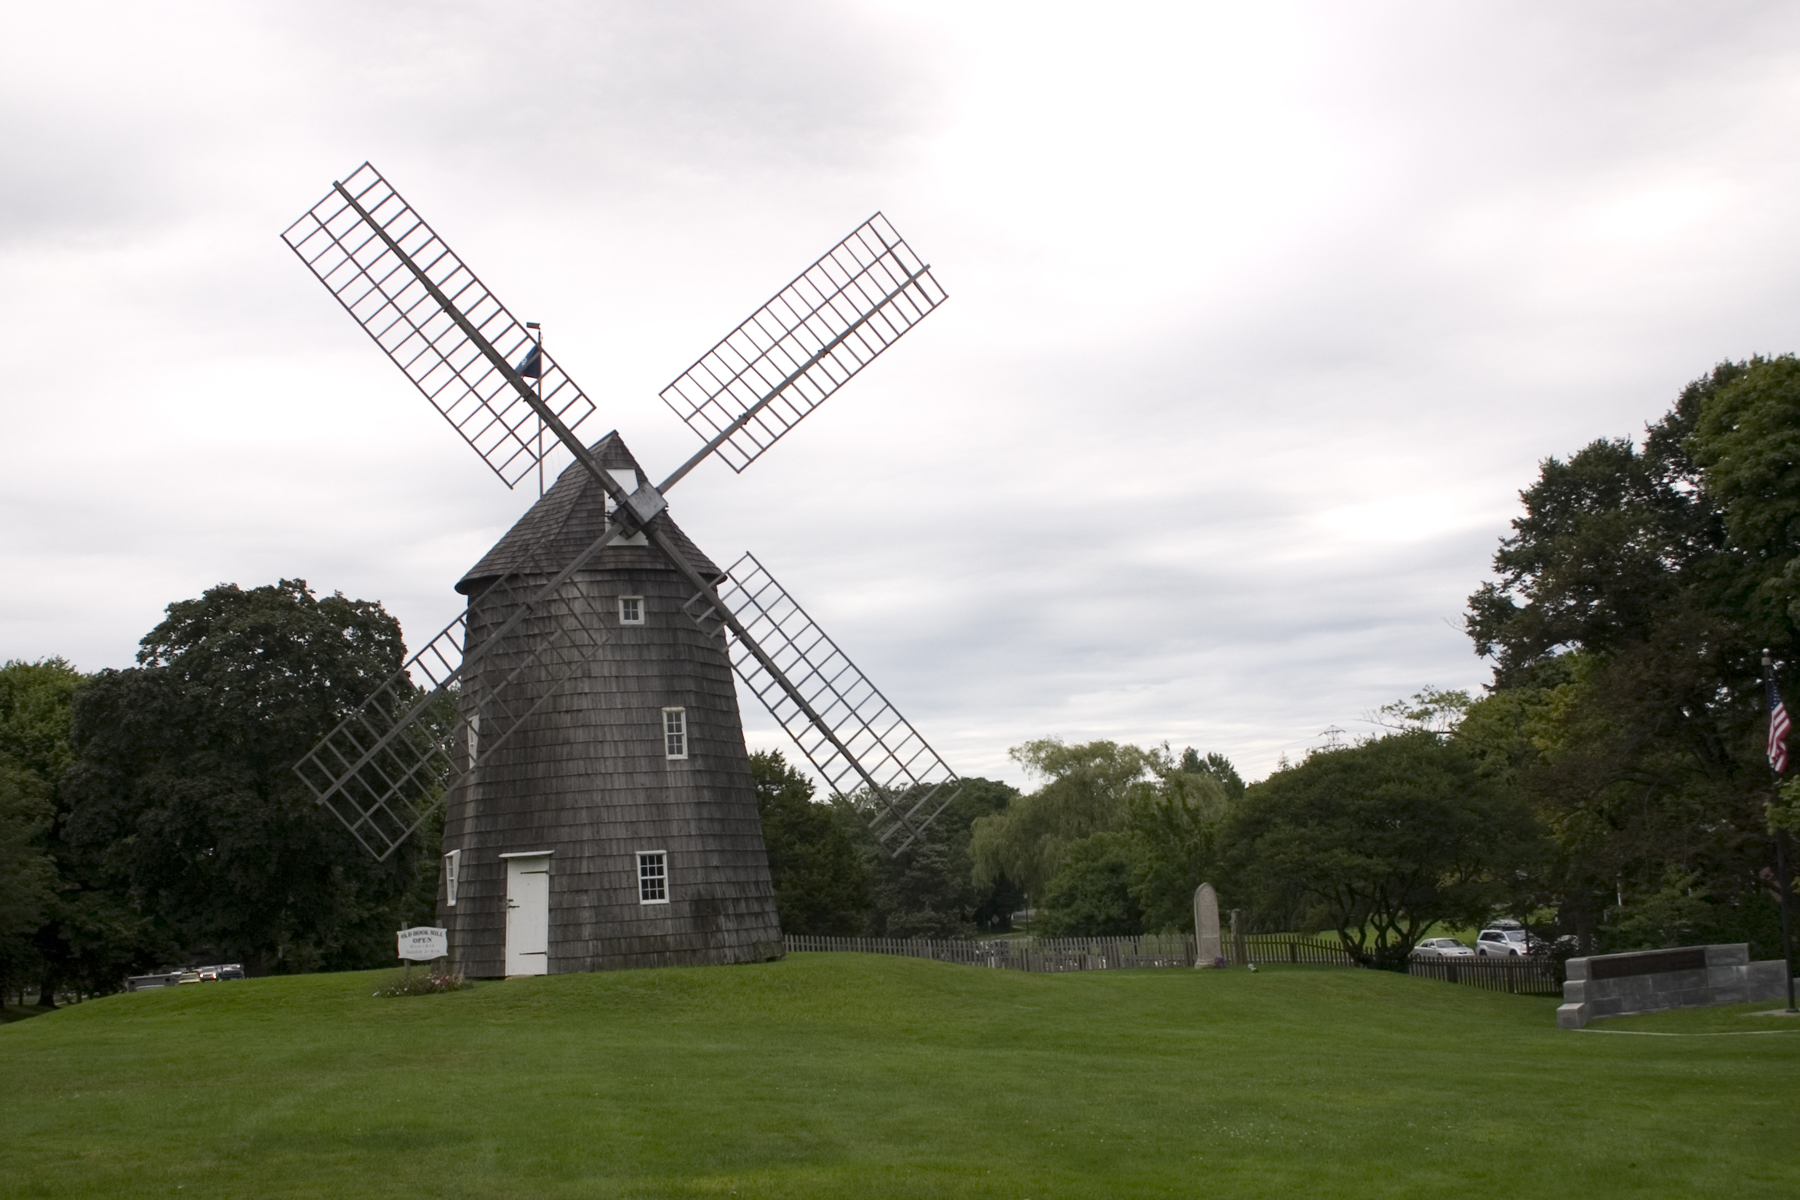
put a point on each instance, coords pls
(849, 1075)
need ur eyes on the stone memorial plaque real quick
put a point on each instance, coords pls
(1651, 962)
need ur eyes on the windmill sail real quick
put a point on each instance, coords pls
(851, 733)
(791, 354)
(392, 272)
(388, 765)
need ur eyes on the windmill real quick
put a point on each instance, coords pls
(578, 717)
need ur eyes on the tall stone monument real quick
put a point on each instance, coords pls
(1206, 926)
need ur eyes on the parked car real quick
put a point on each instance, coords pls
(1443, 948)
(1506, 943)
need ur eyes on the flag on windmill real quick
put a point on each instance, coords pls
(1778, 729)
(532, 365)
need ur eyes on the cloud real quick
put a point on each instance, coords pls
(1260, 316)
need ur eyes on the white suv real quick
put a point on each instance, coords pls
(1503, 943)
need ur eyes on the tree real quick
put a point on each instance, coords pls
(79, 936)
(1626, 628)
(1216, 765)
(1177, 833)
(821, 881)
(1088, 789)
(1381, 841)
(1131, 832)
(929, 888)
(1435, 710)
(182, 796)
(1091, 896)
(34, 753)
(1746, 445)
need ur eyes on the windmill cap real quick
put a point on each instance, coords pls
(568, 518)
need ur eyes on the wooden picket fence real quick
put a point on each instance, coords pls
(1021, 954)
(1086, 953)
(1524, 977)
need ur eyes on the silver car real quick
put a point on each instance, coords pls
(1442, 948)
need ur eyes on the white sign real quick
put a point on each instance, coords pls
(424, 943)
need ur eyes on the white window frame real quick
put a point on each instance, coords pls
(638, 602)
(452, 869)
(659, 880)
(474, 738)
(675, 733)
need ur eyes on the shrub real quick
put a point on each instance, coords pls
(423, 983)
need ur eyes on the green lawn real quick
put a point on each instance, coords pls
(850, 1075)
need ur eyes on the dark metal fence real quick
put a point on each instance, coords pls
(1519, 976)
(1289, 948)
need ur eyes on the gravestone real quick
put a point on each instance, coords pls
(1208, 948)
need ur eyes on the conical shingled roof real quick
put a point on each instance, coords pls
(570, 516)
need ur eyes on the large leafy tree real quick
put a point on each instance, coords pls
(821, 881)
(1088, 788)
(929, 888)
(85, 936)
(182, 797)
(831, 877)
(1626, 626)
(1117, 838)
(1091, 896)
(1380, 841)
(34, 753)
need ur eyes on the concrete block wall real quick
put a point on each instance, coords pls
(1608, 985)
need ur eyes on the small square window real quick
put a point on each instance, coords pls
(653, 876)
(675, 732)
(631, 610)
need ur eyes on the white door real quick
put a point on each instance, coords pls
(528, 915)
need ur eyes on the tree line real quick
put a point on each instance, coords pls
(1609, 784)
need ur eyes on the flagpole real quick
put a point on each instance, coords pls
(1783, 890)
(539, 384)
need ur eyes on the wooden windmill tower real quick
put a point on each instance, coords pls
(601, 810)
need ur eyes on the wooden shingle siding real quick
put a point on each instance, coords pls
(586, 776)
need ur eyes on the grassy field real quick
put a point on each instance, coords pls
(851, 1075)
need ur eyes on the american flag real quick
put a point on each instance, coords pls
(1778, 730)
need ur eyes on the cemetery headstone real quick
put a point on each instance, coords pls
(1208, 948)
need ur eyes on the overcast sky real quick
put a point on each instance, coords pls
(1260, 315)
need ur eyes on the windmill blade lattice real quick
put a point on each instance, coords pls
(349, 251)
(766, 375)
(853, 736)
(389, 764)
